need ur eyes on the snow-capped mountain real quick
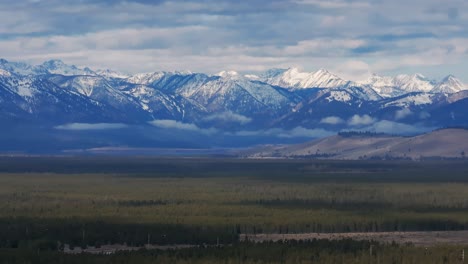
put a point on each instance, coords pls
(293, 78)
(389, 87)
(5, 73)
(399, 85)
(411, 99)
(59, 67)
(18, 68)
(48, 67)
(383, 85)
(230, 91)
(413, 83)
(57, 93)
(41, 99)
(152, 77)
(110, 74)
(449, 85)
(145, 78)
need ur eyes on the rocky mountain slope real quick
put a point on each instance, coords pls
(56, 93)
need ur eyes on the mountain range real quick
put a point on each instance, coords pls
(279, 103)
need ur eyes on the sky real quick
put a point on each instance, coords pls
(350, 38)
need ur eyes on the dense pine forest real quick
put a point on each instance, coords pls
(52, 203)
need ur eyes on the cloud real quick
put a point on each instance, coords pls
(334, 4)
(425, 36)
(358, 120)
(331, 120)
(390, 127)
(353, 70)
(297, 132)
(173, 124)
(229, 117)
(403, 113)
(304, 132)
(424, 115)
(88, 126)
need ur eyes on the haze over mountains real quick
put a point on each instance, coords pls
(60, 101)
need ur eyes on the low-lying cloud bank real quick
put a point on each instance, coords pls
(372, 124)
(390, 127)
(332, 120)
(403, 113)
(363, 120)
(89, 126)
(356, 122)
(229, 117)
(173, 124)
(296, 132)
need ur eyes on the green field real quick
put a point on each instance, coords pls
(47, 202)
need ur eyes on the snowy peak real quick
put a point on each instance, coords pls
(294, 78)
(17, 68)
(55, 64)
(152, 77)
(323, 79)
(5, 73)
(48, 67)
(59, 67)
(145, 78)
(448, 85)
(403, 84)
(271, 73)
(413, 83)
(112, 74)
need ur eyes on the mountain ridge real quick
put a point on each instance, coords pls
(282, 99)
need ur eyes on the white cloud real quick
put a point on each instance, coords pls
(88, 126)
(323, 46)
(229, 117)
(173, 124)
(330, 21)
(358, 120)
(353, 70)
(333, 4)
(210, 35)
(424, 115)
(332, 120)
(282, 133)
(403, 113)
(390, 127)
(304, 132)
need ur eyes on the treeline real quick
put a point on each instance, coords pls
(404, 225)
(315, 251)
(353, 203)
(53, 233)
(141, 203)
(360, 134)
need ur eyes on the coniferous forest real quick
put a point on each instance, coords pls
(51, 205)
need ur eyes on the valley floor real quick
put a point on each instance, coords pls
(91, 202)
